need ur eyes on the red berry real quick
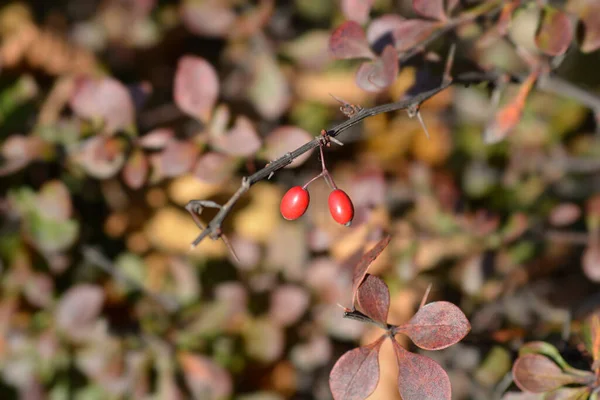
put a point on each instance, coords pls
(294, 203)
(340, 207)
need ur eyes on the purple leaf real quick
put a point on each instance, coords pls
(374, 76)
(382, 26)
(420, 377)
(433, 9)
(106, 100)
(177, 158)
(411, 32)
(284, 139)
(357, 10)
(196, 87)
(349, 41)
(538, 374)
(214, 167)
(360, 269)
(288, 304)
(135, 171)
(554, 33)
(436, 326)
(241, 140)
(78, 308)
(356, 374)
(374, 298)
(589, 14)
(206, 379)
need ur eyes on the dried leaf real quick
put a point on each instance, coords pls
(357, 10)
(284, 139)
(436, 326)
(135, 171)
(411, 32)
(538, 374)
(374, 76)
(78, 308)
(349, 41)
(214, 167)
(360, 270)
(433, 9)
(420, 377)
(106, 100)
(206, 379)
(196, 87)
(374, 298)
(356, 374)
(554, 33)
(241, 140)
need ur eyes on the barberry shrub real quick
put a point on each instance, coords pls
(435, 326)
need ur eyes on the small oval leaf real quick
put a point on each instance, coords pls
(374, 298)
(538, 374)
(284, 139)
(349, 41)
(374, 76)
(360, 270)
(241, 140)
(135, 171)
(554, 33)
(357, 10)
(196, 87)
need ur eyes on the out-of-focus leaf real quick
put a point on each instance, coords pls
(360, 270)
(288, 304)
(374, 76)
(315, 353)
(507, 118)
(284, 139)
(349, 41)
(420, 377)
(309, 50)
(54, 201)
(177, 158)
(269, 91)
(196, 87)
(20, 150)
(79, 308)
(382, 26)
(214, 167)
(536, 373)
(101, 157)
(135, 171)
(554, 33)
(356, 374)
(374, 298)
(241, 140)
(591, 262)
(411, 32)
(437, 325)
(263, 340)
(52, 235)
(105, 100)
(357, 10)
(589, 13)
(156, 139)
(538, 347)
(433, 9)
(564, 214)
(576, 393)
(206, 379)
(208, 18)
(495, 366)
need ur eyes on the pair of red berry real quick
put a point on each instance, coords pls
(295, 202)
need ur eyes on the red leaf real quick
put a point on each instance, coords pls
(196, 87)
(538, 374)
(383, 25)
(374, 76)
(420, 377)
(510, 114)
(357, 10)
(356, 374)
(360, 269)
(106, 100)
(241, 140)
(206, 379)
(349, 41)
(589, 13)
(436, 326)
(135, 171)
(554, 33)
(433, 9)
(374, 298)
(411, 32)
(284, 139)
(214, 168)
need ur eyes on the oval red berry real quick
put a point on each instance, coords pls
(294, 203)
(340, 207)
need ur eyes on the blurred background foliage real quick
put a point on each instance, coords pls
(101, 297)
